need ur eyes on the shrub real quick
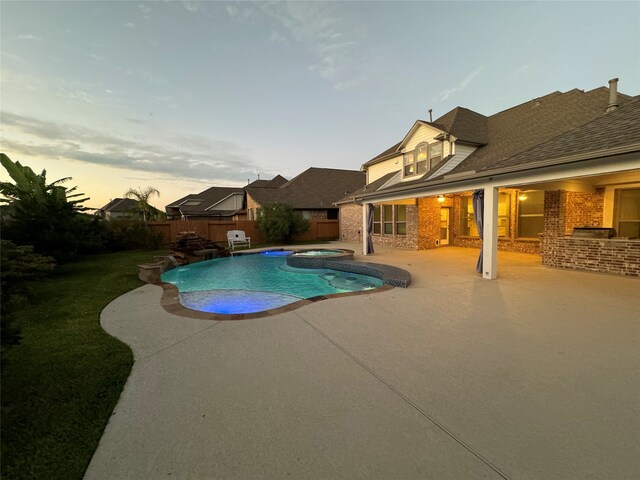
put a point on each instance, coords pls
(125, 234)
(19, 267)
(46, 215)
(279, 222)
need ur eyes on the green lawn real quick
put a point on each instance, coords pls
(60, 385)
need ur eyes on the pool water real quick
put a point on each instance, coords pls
(259, 282)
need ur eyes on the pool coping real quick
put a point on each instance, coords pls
(390, 276)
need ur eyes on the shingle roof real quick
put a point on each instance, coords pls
(551, 128)
(315, 188)
(519, 128)
(275, 182)
(618, 128)
(370, 187)
(119, 205)
(209, 197)
(389, 152)
(466, 125)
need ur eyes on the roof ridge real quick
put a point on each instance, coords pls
(557, 92)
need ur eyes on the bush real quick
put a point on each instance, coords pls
(279, 223)
(47, 216)
(19, 267)
(125, 234)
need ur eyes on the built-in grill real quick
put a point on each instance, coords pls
(593, 232)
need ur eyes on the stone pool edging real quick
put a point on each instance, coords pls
(390, 276)
(171, 303)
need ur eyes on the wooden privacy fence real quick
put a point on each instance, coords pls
(217, 231)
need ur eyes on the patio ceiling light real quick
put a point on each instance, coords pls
(440, 199)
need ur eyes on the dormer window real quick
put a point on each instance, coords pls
(423, 159)
(409, 167)
(435, 154)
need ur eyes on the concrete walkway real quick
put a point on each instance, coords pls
(533, 375)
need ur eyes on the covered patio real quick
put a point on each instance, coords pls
(533, 375)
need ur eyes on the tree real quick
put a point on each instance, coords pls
(31, 189)
(279, 222)
(142, 196)
(46, 215)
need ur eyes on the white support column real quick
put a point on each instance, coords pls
(365, 207)
(490, 234)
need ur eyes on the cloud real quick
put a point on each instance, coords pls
(191, 158)
(145, 10)
(277, 37)
(447, 93)
(191, 6)
(129, 25)
(522, 69)
(244, 12)
(324, 29)
(29, 37)
(327, 32)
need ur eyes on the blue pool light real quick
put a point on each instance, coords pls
(277, 253)
(256, 283)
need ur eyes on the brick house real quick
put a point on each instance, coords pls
(312, 193)
(546, 166)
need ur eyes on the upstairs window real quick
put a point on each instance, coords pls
(423, 159)
(435, 155)
(409, 167)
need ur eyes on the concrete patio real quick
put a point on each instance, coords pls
(533, 375)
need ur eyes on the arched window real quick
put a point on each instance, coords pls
(421, 158)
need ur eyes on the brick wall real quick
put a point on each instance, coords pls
(566, 210)
(410, 240)
(351, 222)
(618, 256)
(429, 221)
(351, 227)
(583, 209)
(252, 207)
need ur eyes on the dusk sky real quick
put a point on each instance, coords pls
(187, 95)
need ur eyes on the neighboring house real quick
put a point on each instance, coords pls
(118, 208)
(312, 193)
(275, 182)
(215, 203)
(546, 166)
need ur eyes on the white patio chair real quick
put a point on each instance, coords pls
(237, 238)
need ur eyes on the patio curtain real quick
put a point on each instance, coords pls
(478, 211)
(369, 229)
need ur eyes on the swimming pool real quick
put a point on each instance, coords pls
(258, 282)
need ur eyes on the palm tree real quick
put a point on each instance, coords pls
(142, 196)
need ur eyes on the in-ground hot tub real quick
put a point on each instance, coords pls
(315, 258)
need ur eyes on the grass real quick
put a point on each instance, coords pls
(60, 385)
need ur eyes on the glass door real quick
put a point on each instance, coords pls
(445, 214)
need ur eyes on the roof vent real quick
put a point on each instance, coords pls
(431, 115)
(613, 95)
